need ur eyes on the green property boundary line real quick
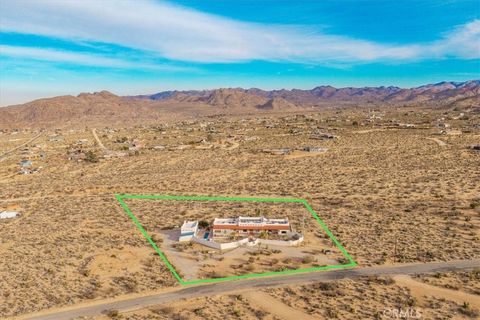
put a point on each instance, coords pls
(121, 197)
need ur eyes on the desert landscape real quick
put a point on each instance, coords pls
(393, 184)
(250, 159)
(344, 299)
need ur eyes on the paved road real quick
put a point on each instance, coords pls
(223, 287)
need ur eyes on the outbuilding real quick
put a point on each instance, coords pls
(8, 214)
(188, 230)
(25, 163)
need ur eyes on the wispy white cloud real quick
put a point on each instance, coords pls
(180, 33)
(463, 41)
(82, 59)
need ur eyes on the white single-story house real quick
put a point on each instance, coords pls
(249, 226)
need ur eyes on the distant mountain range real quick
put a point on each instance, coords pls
(105, 108)
(446, 91)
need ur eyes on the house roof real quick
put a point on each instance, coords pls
(189, 224)
(242, 221)
(261, 227)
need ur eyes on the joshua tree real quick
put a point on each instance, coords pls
(91, 156)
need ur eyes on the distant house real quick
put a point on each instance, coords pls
(76, 154)
(82, 142)
(188, 230)
(315, 149)
(135, 145)
(8, 214)
(249, 226)
(25, 163)
(280, 151)
(56, 138)
(323, 136)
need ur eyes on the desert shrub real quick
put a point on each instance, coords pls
(307, 259)
(216, 274)
(249, 267)
(129, 284)
(91, 156)
(331, 312)
(326, 286)
(260, 314)
(383, 280)
(114, 314)
(164, 310)
(467, 310)
(198, 312)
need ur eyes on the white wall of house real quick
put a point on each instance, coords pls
(185, 238)
(281, 242)
(189, 226)
(247, 242)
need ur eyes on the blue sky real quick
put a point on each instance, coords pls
(55, 47)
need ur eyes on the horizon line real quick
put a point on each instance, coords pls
(232, 87)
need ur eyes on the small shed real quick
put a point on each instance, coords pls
(315, 149)
(188, 230)
(8, 214)
(25, 163)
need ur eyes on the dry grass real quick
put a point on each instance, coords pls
(366, 298)
(466, 281)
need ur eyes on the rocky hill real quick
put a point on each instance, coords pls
(86, 108)
(443, 93)
(105, 108)
(278, 104)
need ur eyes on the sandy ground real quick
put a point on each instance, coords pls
(183, 262)
(440, 143)
(301, 154)
(271, 305)
(421, 290)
